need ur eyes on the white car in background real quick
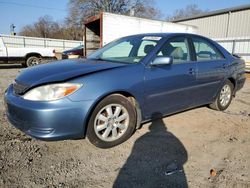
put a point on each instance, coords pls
(26, 56)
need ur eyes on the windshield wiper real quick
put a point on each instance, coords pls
(97, 59)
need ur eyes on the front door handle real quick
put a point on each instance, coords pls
(191, 71)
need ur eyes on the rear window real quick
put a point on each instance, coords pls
(205, 51)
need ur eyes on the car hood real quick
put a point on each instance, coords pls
(62, 71)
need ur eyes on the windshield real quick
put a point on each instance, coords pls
(78, 47)
(126, 50)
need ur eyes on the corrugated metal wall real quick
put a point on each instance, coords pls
(239, 24)
(206, 26)
(233, 24)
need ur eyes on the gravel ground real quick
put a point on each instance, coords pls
(177, 151)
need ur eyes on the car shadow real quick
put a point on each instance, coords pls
(156, 160)
(11, 66)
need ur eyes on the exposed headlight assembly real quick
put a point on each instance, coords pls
(51, 92)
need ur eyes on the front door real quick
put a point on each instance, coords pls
(169, 88)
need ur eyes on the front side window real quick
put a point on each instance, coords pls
(205, 51)
(177, 48)
(127, 50)
(145, 47)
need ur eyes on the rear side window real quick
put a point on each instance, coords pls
(205, 51)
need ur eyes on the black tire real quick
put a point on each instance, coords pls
(32, 61)
(118, 101)
(218, 104)
(24, 64)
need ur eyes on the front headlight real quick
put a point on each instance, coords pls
(51, 92)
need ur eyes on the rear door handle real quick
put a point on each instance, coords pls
(191, 71)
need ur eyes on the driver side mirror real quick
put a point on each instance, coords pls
(162, 61)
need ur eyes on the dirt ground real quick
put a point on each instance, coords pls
(177, 151)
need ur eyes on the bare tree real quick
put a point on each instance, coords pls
(79, 10)
(146, 9)
(84, 8)
(45, 27)
(189, 10)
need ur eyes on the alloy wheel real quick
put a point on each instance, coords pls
(225, 95)
(111, 122)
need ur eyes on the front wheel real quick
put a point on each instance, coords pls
(224, 97)
(112, 122)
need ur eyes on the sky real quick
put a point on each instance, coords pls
(23, 12)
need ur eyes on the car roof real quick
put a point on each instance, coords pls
(167, 34)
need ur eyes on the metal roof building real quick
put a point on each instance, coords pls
(231, 22)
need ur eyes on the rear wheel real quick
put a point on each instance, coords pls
(112, 122)
(224, 97)
(32, 61)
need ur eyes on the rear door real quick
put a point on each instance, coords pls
(211, 67)
(169, 88)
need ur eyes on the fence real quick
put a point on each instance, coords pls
(34, 42)
(239, 46)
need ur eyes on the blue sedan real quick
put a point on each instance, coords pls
(127, 82)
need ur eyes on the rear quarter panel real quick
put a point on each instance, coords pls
(235, 69)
